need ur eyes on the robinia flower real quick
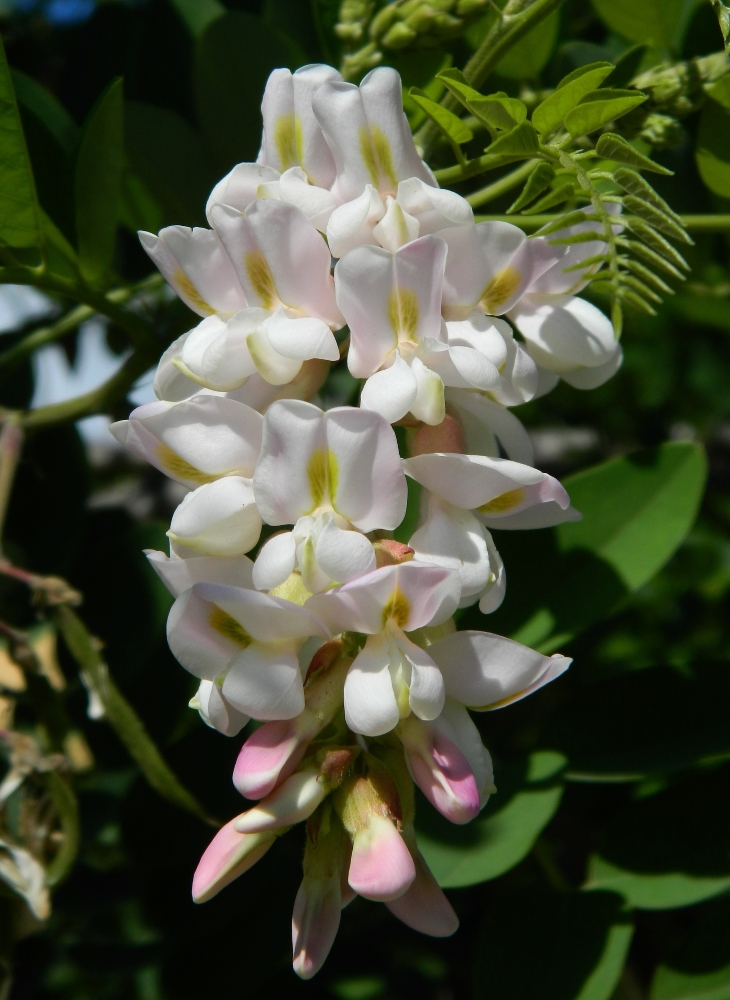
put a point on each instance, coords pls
(467, 495)
(196, 441)
(391, 676)
(392, 304)
(246, 642)
(332, 475)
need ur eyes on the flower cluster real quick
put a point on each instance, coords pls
(339, 639)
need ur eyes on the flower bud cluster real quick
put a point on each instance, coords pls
(338, 638)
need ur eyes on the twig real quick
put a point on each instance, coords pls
(11, 443)
(499, 187)
(692, 223)
(122, 717)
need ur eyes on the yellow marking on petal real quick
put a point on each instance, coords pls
(227, 626)
(177, 466)
(292, 589)
(397, 609)
(403, 313)
(498, 704)
(262, 281)
(403, 698)
(333, 474)
(378, 158)
(500, 289)
(186, 289)
(317, 476)
(289, 140)
(504, 502)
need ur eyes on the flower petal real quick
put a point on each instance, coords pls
(565, 334)
(195, 441)
(591, 378)
(486, 671)
(344, 555)
(292, 801)
(170, 383)
(317, 203)
(240, 186)
(218, 519)
(390, 392)
(351, 225)
(434, 208)
(370, 704)
(179, 574)
(429, 404)
(315, 922)
(265, 683)
(482, 419)
(426, 688)
(381, 867)
(275, 562)
(471, 481)
(216, 712)
(228, 855)
(367, 485)
(453, 538)
(396, 228)
(195, 264)
(301, 338)
(262, 617)
(423, 906)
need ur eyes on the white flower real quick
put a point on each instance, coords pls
(328, 474)
(195, 264)
(391, 676)
(368, 133)
(467, 495)
(196, 441)
(392, 303)
(245, 641)
(218, 519)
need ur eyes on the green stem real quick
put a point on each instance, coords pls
(518, 17)
(461, 172)
(497, 188)
(14, 355)
(122, 717)
(97, 401)
(692, 223)
(140, 332)
(67, 809)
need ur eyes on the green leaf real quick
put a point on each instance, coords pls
(559, 194)
(614, 147)
(713, 139)
(521, 141)
(668, 850)
(697, 966)
(540, 178)
(450, 124)
(526, 800)
(455, 83)
(658, 243)
(499, 110)
(232, 64)
(527, 58)
(555, 946)
(636, 185)
(98, 182)
(19, 219)
(551, 113)
(658, 22)
(43, 104)
(657, 218)
(198, 14)
(641, 724)
(599, 107)
(636, 511)
(167, 155)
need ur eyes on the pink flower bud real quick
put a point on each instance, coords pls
(444, 437)
(275, 749)
(423, 906)
(315, 922)
(441, 770)
(228, 855)
(294, 800)
(381, 867)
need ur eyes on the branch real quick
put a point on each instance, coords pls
(497, 188)
(692, 223)
(19, 352)
(121, 716)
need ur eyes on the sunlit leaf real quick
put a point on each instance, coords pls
(540, 178)
(698, 964)
(551, 113)
(520, 141)
(450, 124)
(614, 147)
(499, 110)
(599, 107)
(529, 55)
(659, 22)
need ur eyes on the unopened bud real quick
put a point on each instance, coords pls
(444, 437)
(228, 855)
(388, 552)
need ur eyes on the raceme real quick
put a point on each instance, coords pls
(294, 603)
